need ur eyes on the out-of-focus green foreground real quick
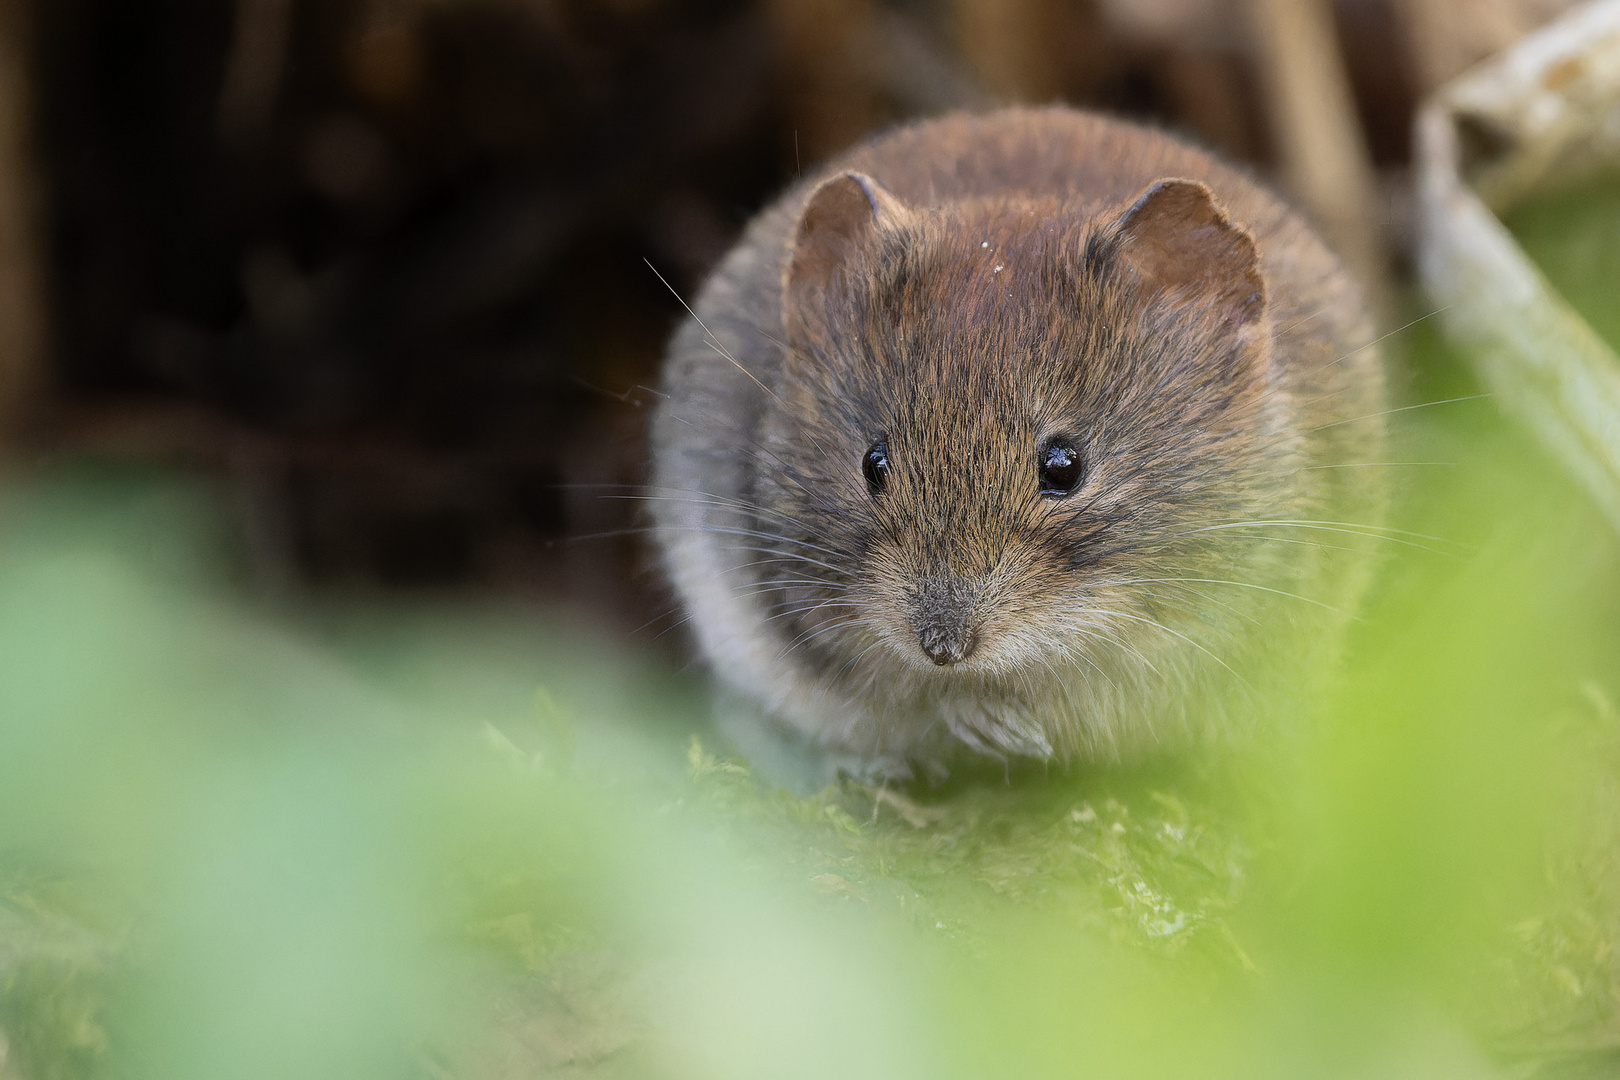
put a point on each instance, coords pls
(412, 841)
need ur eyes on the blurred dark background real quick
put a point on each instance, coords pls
(382, 266)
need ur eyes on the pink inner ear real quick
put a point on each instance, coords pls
(1176, 236)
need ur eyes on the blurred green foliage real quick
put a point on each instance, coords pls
(395, 839)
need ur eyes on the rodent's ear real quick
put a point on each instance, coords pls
(1176, 236)
(840, 216)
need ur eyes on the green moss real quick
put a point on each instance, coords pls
(1116, 857)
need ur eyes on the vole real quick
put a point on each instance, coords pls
(1031, 433)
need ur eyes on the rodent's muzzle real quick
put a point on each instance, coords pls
(941, 615)
(947, 646)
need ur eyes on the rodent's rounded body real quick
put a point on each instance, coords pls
(1030, 433)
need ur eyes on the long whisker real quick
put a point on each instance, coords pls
(1080, 654)
(1380, 339)
(719, 531)
(1096, 633)
(1294, 540)
(1342, 357)
(755, 588)
(780, 537)
(812, 634)
(809, 609)
(712, 341)
(1374, 465)
(684, 615)
(776, 557)
(1401, 409)
(706, 498)
(1176, 633)
(1312, 523)
(852, 661)
(764, 535)
(1248, 585)
(1182, 601)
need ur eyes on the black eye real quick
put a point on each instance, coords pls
(876, 466)
(1061, 470)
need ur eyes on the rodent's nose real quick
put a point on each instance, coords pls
(941, 615)
(950, 646)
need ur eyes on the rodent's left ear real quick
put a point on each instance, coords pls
(1176, 236)
(840, 216)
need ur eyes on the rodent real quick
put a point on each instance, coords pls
(1031, 433)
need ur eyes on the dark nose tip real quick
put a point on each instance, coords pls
(947, 646)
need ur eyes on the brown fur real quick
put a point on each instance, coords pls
(965, 290)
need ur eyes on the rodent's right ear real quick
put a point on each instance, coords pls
(840, 216)
(1176, 235)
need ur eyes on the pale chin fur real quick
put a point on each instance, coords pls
(1037, 686)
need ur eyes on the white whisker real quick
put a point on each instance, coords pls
(1178, 634)
(1249, 585)
(1401, 409)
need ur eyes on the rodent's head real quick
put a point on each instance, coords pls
(1003, 424)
